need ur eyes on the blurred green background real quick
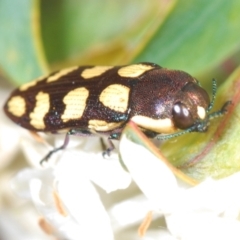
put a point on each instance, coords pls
(196, 36)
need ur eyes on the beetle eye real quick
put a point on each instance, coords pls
(181, 116)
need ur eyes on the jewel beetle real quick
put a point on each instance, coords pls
(89, 100)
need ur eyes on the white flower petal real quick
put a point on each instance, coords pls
(158, 234)
(189, 226)
(84, 205)
(20, 183)
(152, 176)
(20, 224)
(106, 173)
(129, 212)
(209, 210)
(216, 196)
(109, 174)
(80, 202)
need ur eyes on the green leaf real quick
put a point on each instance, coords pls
(21, 56)
(198, 35)
(99, 32)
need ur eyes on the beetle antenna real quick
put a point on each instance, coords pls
(214, 92)
(221, 112)
(177, 134)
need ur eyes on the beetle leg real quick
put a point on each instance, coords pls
(111, 146)
(78, 132)
(65, 143)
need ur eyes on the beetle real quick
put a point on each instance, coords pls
(89, 100)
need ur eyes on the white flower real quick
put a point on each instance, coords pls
(209, 210)
(69, 205)
(65, 195)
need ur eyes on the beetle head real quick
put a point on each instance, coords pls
(190, 107)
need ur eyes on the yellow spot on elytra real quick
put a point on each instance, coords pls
(134, 70)
(75, 102)
(17, 106)
(115, 97)
(41, 108)
(201, 112)
(157, 125)
(61, 73)
(95, 71)
(100, 125)
(30, 84)
(27, 85)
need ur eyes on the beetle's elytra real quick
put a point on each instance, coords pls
(102, 99)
